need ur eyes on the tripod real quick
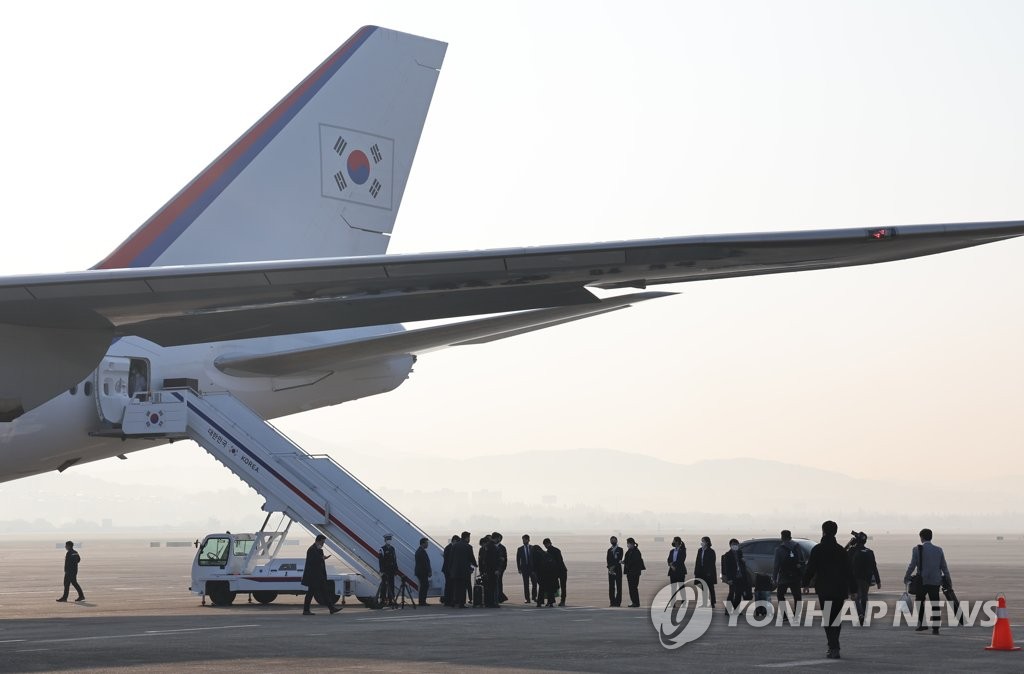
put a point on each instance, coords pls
(386, 593)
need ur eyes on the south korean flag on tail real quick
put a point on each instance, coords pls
(356, 166)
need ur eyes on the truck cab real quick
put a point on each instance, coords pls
(227, 564)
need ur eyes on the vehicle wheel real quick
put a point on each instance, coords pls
(220, 594)
(264, 597)
(331, 594)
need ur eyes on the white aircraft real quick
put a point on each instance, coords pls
(266, 275)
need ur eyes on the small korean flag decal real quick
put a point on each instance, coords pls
(356, 166)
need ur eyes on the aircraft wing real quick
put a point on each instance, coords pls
(82, 312)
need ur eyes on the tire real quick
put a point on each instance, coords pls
(264, 597)
(329, 591)
(220, 593)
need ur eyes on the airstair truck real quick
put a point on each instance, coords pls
(228, 564)
(313, 490)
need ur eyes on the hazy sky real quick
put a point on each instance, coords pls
(578, 122)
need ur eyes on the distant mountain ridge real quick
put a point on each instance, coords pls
(561, 488)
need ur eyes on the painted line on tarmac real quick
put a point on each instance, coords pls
(399, 619)
(32, 650)
(199, 629)
(152, 633)
(11, 641)
(798, 663)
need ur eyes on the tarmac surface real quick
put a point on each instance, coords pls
(139, 616)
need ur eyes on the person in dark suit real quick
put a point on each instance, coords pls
(865, 572)
(314, 577)
(460, 565)
(387, 562)
(560, 570)
(613, 560)
(502, 565)
(704, 567)
(677, 564)
(787, 569)
(633, 565)
(446, 571)
(489, 571)
(422, 570)
(828, 567)
(547, 576)
(472, 567)
(734, 573)
(525, 565)
(71, 561)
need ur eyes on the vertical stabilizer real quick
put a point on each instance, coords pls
(320, 175)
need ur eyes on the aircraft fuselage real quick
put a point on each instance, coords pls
(70, 429)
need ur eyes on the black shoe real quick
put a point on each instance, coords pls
(334, 609)
(307, 612)
(539, 604)
(63, 599)
(634, 606)
(529, 601)
(561, 603)
(833, 654)
(921, 628)
(935, 630)
(80, 599)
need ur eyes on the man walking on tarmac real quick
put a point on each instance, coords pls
(787, 569)
(829, 568)
(71, 560)
(865, 572)
(314, 577)
(932, 573)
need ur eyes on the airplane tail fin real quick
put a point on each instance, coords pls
(320, 175)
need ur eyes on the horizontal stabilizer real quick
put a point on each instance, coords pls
(338, 356)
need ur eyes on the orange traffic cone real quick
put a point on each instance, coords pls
(1002, 637)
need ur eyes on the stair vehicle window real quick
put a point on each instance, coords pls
(214, 552)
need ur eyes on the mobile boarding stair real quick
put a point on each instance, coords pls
(312, 490)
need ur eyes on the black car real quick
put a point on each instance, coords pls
(759, 554)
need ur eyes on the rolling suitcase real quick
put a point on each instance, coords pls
(478, 592)
(956, 617)
(763, 593)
